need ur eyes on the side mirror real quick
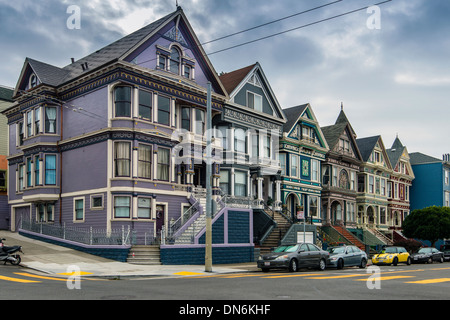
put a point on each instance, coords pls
(301, 250)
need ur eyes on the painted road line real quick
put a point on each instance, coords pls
(76, 273)
(340, 277)
(292, 275)
(18, 280)
(430, 281)
(39, 277)
(384, 278)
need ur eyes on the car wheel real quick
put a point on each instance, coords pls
(293, 267)
(395, 262)
(363, 264)
(441, 260)
(430, 260)
(408, 262)
(322, 264)
(340, 264)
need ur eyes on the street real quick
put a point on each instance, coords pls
(414, 282)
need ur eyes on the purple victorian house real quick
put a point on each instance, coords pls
(94, 145)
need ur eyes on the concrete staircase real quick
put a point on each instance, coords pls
(144, 255)
(273, 240)
(350, 237)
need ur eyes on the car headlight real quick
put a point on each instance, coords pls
(333, 258)
(284, 257)
(260, 258)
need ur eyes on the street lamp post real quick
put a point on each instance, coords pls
(208, 240)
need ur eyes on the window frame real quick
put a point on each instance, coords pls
(128, 102)
(165, 166)
(120, 174)
(48, 121)
(76, 210)
(141, 105)
(47, 170)
(92, 207)
(161, 111)
(115, 206)
(148, 163)
(149, 208)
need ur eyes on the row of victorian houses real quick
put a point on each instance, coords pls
(116, 140)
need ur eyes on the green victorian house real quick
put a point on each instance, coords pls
(303, 148)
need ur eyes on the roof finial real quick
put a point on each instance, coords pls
(342, 106)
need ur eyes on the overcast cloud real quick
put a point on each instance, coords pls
(394, 80)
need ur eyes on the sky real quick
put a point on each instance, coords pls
(388, 66)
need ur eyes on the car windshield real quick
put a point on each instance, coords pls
(289, 248)
(336, 250)
(424, 250)
(389, 250)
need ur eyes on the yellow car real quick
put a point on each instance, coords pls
(392, 255)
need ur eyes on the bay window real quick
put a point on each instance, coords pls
(122, 101)
(50, 169)
(240, 184)
(145, 161)
(50, 119)
(163, 164)
(122, 159)
(163, 110)
(122, 207)
(145, 105)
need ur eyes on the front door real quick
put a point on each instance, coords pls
(160, 218)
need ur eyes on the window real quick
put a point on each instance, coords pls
(162, 62)
(163, 110)
(163, 164)
(97, 201)
(255, 145)
(240, 184)
(29, 124)
(239, 140)
(343, 180)
(2, 179)
(20, 133)
(446, 176)
(122, 101)
(50, 119)
(29, 170)
(223, 132)
(187, 71)
(225, 181)
(78, 209)
(44, 212)
(371, 185)
(145, 161)
(145, 105)
(20, 183)
(326, 175)
(37, 120)
(282, 157)
(144, 208)
(199, 121)
(314, 170)
(50, 169)
(33, 81)
(175, 61)
(383, 215)
(361, 183)
(383, 187)
(352, 180)
(122, 207)
(37, 178)
(122, 159)
(305, 168)
(294, 166)
(254, 101)
(313, 206)
(186, 118)
(267, 150)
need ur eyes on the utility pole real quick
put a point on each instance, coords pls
(208, 240)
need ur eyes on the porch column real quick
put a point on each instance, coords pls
(260, 187)
(278, 193)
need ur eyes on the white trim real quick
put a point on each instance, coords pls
(74, 217)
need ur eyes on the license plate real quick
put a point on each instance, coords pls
(267, 264)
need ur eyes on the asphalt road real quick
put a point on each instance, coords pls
(414, 282)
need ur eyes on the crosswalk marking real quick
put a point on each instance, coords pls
(430, 281)
(18, 280)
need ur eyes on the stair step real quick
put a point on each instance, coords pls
(144, 255)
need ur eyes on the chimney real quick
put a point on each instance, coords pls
(72, 59)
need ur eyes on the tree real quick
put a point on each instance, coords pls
(432, 223)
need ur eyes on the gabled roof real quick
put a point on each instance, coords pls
(234, 80)
(116, 51)
(293, 114)
(366, 146)
(395, 152)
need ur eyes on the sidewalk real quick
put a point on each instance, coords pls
(57, 260)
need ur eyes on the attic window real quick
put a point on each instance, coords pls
(33, 81)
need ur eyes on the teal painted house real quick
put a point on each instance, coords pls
(303, 148)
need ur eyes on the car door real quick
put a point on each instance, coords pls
(402, 255)
(314, 255)
(348, 257)
(436, 254)
(303, 256)
(355, 256)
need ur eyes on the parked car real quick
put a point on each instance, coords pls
(427, 255)
(392, 255)
(293, 257)
(445, 249)
(347, 256)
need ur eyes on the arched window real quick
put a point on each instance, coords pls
(344, 183)
(175, 60)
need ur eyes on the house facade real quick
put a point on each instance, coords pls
(373, 178)
(303, 148)
(339, 173)
(5, 102)
(431, 186)
(399, 184)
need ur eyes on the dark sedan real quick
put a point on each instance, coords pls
(293, 257)
(446, 250)
(428, 255)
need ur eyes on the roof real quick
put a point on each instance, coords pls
(292, 114)
(333, 132)
(395, 152)
(6, 94)
(232, 79)
(420, 158)
(366, 146)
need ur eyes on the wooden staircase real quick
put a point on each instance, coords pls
(350, 237)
